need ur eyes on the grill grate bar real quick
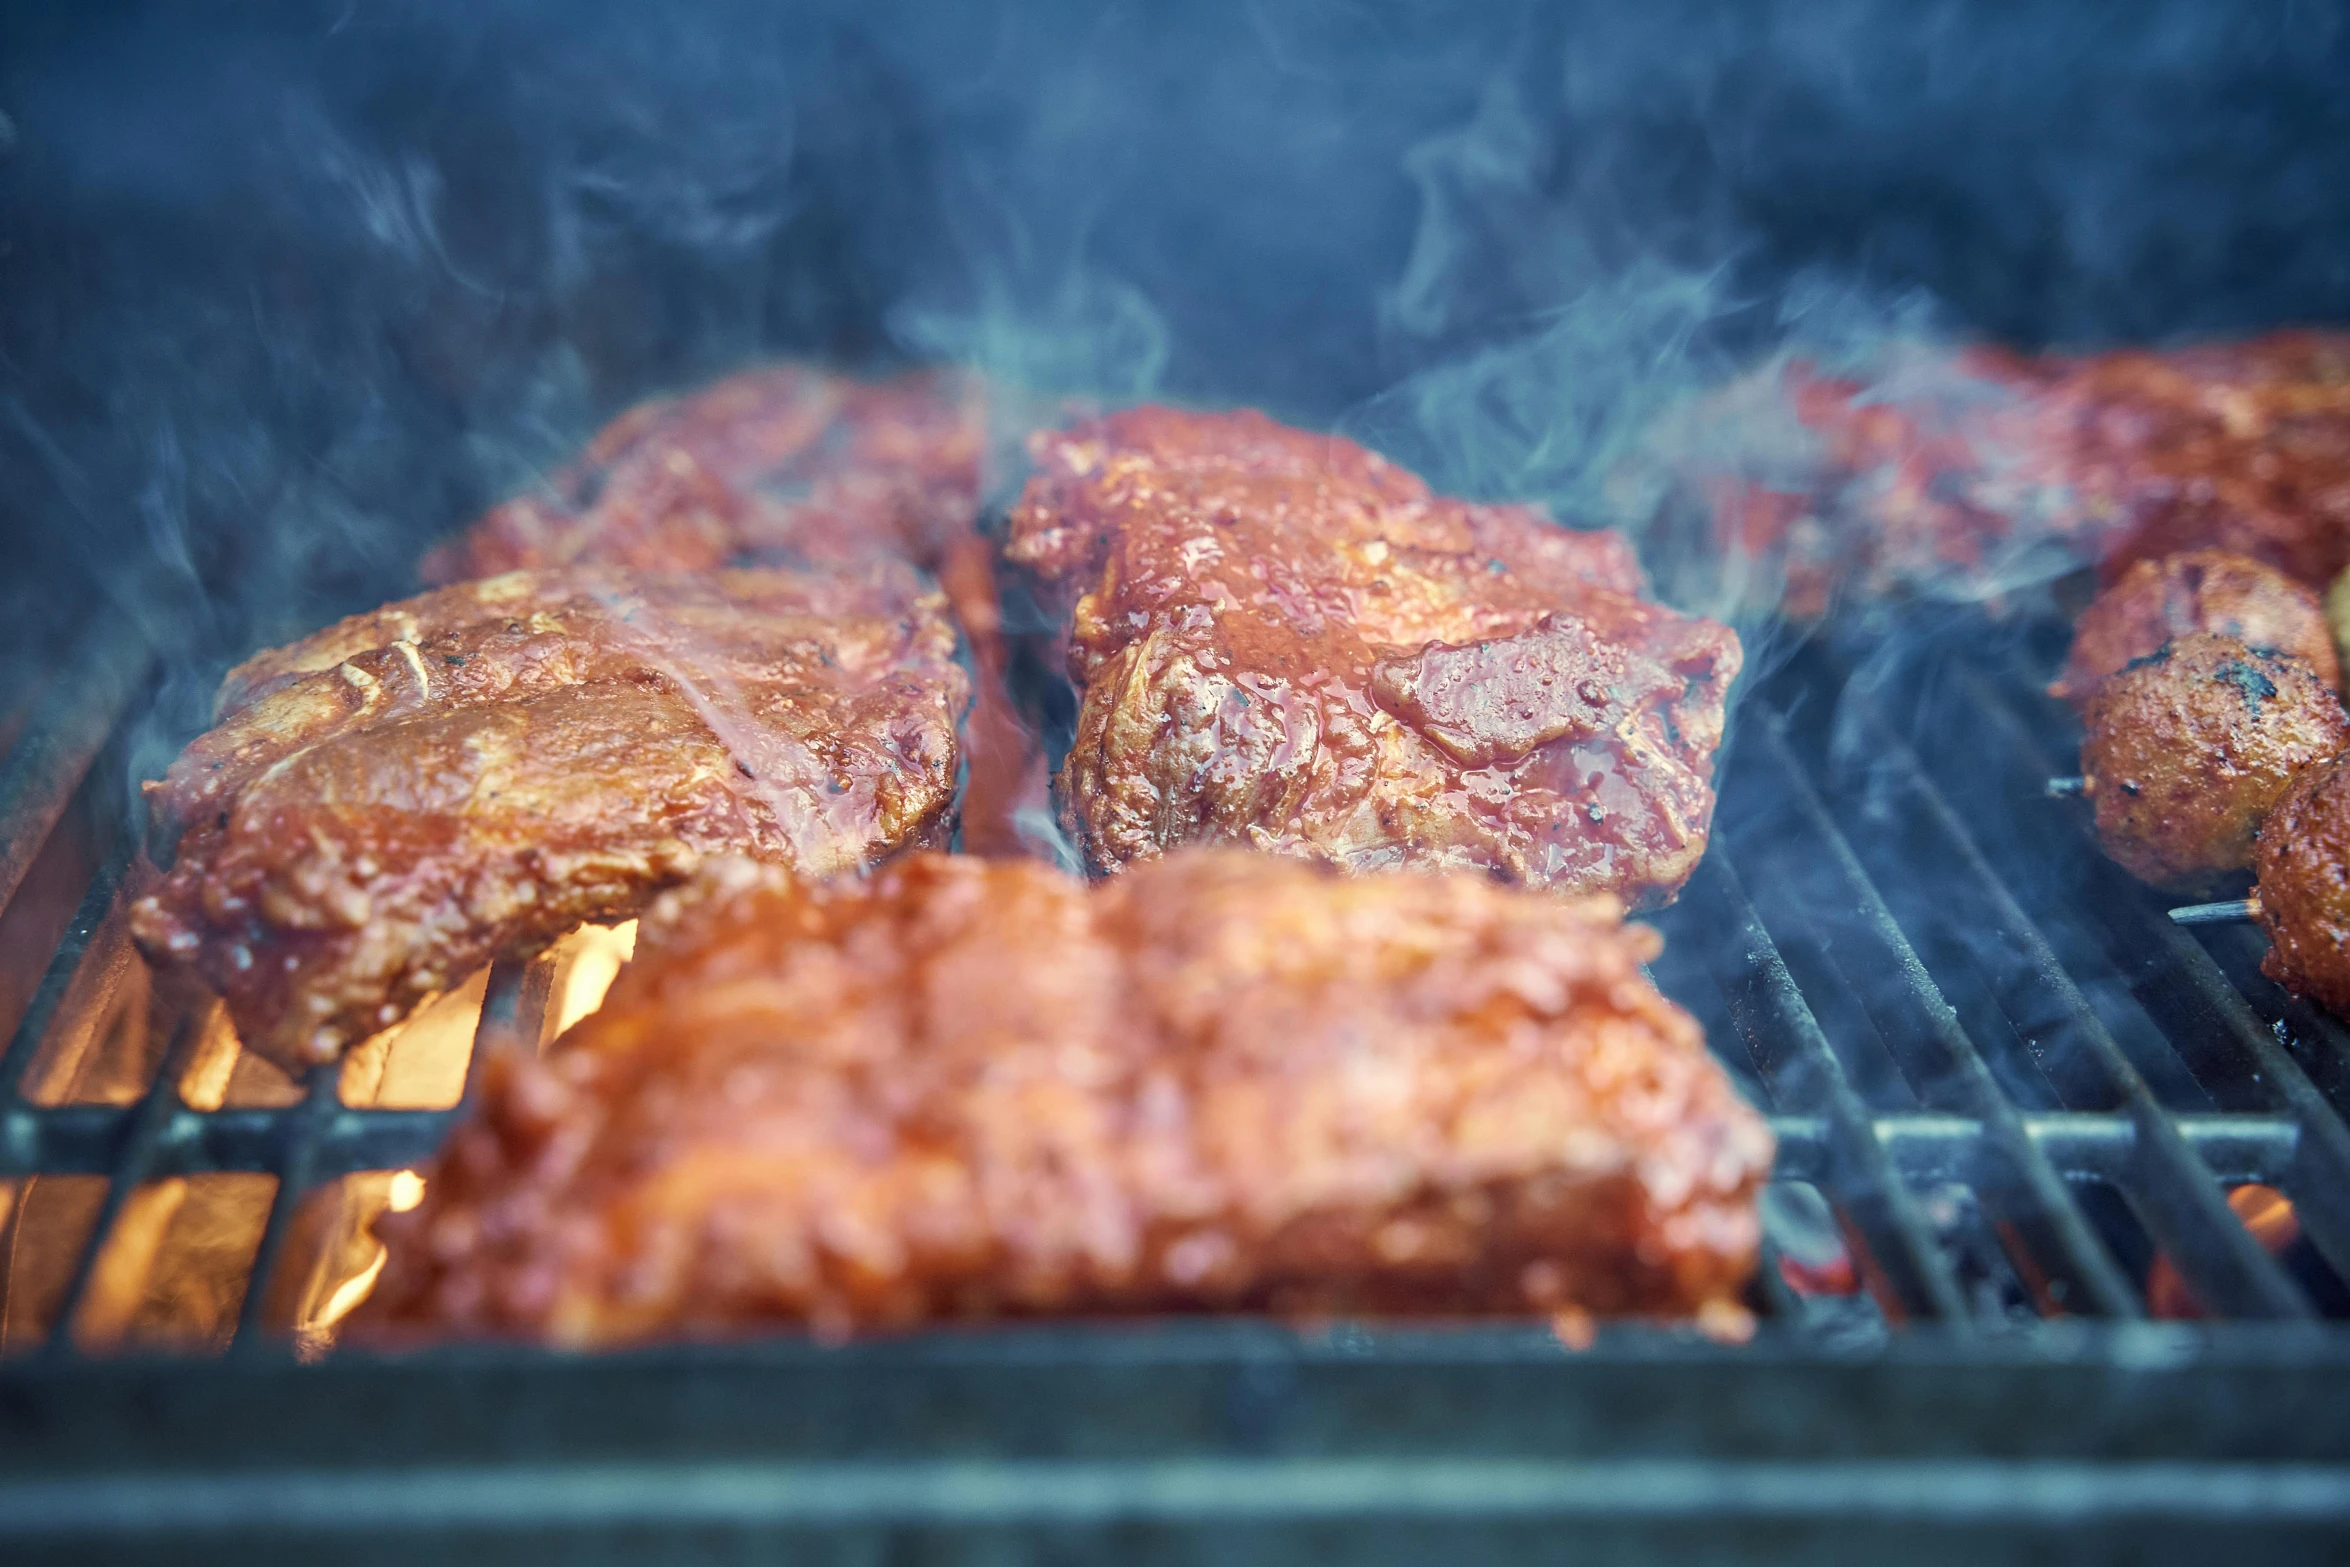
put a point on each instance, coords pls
(2012, 1170)
(295, 1165)
(84, 1139)
(306, 1150)
(1795, 1060)
(2175, 1194)
(128, 1166)
(2081, 1144)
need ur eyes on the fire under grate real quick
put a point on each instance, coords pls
(2019, 1111)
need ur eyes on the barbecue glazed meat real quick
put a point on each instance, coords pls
(2202, 590)
(963, 1089)
(1922, 477)
(2241, 446)
(401, 798)
(783, 465)
(2189, 748)
(2304, 866)
(1284, 641)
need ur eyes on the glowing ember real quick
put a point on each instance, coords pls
(2264, 1210)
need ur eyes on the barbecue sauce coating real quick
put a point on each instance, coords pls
(2304, 866)
(782, 465)
(2126, 456)
(1284, 641)
(2188, 749)
(390, 804)
(962, 1089)
(2201, 590)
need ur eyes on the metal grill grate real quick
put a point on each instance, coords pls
(2001, 1079)
(1990, 1012)
(2004, 1086)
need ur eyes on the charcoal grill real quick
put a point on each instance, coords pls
(2003, 1084)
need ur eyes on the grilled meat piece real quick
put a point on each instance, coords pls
(2241, 446)
(2304, 866)
(1284, 641)
(2189, 748)
(2202, 590)
(783, 465)
(388, 805)
(1925, 476)
(962, 1089)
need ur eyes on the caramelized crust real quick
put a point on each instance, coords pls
(783, 465)
(2201, 590)
(2304, 865)
(1284, 641)
(963, 1089)
(388, 805)
(2188, 749)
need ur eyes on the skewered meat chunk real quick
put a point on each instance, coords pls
(1284, 641)
(777, 466)
(2304, 866)
(2189, 748)
(963, 1089)
(2201, 590)
(1934, 474)
(388, 805)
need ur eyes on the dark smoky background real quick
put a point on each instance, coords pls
(288, 290)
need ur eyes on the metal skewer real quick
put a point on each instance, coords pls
(2068, 788)
(2217, 913)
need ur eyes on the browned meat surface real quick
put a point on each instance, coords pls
(964, 1089)
(783, 466)
(2125, 457)
(778, 466)
(2201, 590)
(1284, 641)
(388, 805)
(2304, 866)
(2189, 748)
(2241, 446)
